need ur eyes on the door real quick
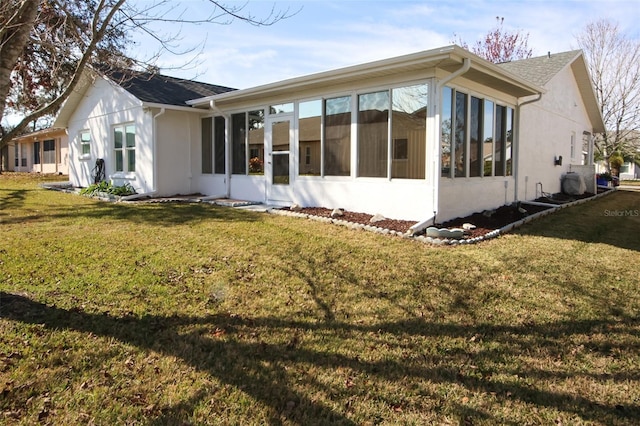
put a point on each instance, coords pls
(278, 170)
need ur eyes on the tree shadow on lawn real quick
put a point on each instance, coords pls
(613, 219)
(163, 214)
(260, 369)
(12, 198)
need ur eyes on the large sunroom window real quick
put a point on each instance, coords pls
(207, 145)
(213, 145)
(373, 134)
(477, 134)
(219, 150)
(460, 135)
(247, 143)
(337, 133)
(409, 131)
(309, 137)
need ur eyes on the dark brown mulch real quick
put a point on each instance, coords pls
(484, 223)
(363, 218)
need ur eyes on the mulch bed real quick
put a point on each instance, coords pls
(500, 217)
(363, 218)
(484, 222)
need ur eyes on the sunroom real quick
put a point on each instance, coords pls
(400, 137)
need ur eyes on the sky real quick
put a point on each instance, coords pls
(325, 35)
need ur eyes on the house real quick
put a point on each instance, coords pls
(630, 170)
(557, 132)
(427, 136)
(139, 125)
(43, 151)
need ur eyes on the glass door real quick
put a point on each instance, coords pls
(279, 139)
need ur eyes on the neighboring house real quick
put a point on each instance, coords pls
(43, 151)
(141, 127)
(426, 136)
(630, 171)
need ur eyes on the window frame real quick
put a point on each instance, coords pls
(84, 143)
(48, 143)
(128, 152)
(503, 130)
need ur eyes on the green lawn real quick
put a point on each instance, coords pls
(153, 314)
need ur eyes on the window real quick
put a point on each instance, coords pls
(238, 145)
(409, 131)
(477, 133)
(247, 143)
(509, 138)
(307, 156)
(373, 122)
(501, 126)
(586, 148)
(337, 131)
(36, 152)
(207, 145)
(23, 155)
(573, 145)
(487, 137)
(49, 151)
(309, 137)
(503, 141)
(475, 138)
(281, 109)
(16, 149)
(219, 145)
(460, 140)
(446, 132)
(624, 168)
(124, 141)
(85, 143)
(256, 142)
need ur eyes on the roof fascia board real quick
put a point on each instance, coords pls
(332, 75)
(171, 107)
(453, 54)
(582, 76)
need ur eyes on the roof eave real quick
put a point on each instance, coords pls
(588, 94)
(449, 58)
(170, 106)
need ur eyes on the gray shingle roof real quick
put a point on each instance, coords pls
(541, 69)
(162, 89)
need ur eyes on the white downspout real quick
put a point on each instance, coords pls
(466, 65)
(154, 149)
(516, 146)
(227, 156)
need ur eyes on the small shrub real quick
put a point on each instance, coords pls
(108, 188)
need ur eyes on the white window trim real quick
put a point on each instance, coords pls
(125, 173)
(81, 156)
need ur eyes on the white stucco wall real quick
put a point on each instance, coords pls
(104, 106)
(460, 197)
(177, 132)
(546, 127)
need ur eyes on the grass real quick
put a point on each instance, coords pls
(194, 314)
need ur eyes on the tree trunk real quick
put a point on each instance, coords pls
(14, 35)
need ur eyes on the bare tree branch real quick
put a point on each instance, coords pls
(613, 60)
